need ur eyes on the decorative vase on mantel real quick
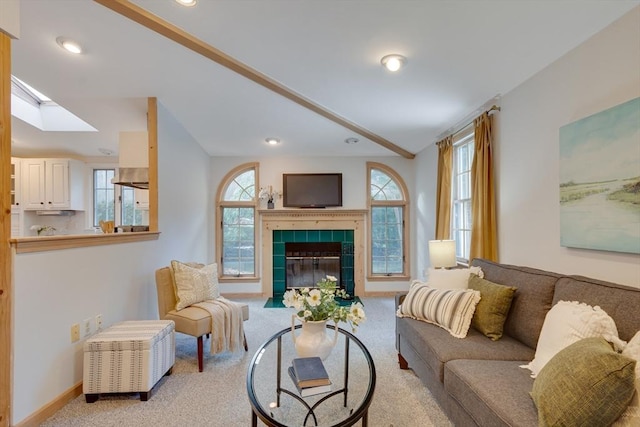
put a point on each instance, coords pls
(270, 204)
(313, 339)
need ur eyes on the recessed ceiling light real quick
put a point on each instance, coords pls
(393, 62)
(69, 45)
(351, 140)
(272, 141)
(188, 3)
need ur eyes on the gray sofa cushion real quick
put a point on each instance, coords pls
(436, 346)
(618, 301)
(493, 393)
(531, 301)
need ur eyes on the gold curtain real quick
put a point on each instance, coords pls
(443, 195)
(484, 231)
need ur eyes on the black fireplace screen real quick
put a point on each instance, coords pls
(309, 262)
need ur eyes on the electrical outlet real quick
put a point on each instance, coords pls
(75, 332)
(86, 327)
(98, 322)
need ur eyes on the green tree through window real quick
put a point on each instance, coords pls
(237, 209)
(387, 210)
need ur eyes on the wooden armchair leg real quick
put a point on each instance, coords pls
(200, 351)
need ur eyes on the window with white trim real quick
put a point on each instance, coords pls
(388, 223)
(104, 196)
(463, 152)
(237, 213)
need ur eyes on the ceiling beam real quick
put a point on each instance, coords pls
(162, 27)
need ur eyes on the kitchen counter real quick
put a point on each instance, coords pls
(58, 242)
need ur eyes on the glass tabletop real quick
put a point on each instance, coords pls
(277, 402)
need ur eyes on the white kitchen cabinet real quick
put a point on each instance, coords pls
(15, 181)
(52, 184)
(142, 198)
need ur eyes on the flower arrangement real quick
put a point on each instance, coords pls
(267, 193)
(46, 229)
(314, 304)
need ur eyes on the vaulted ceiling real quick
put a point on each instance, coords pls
(461, 55)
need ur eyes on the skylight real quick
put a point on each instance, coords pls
(37, 109)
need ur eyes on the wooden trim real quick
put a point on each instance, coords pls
(6, 259)
(392, 278)
(152, 131)
(241, 279)
(406, 218)
(42, 414)
(160, 26)
(53, 243)
(220, 204)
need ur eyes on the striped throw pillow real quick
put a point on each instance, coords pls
(451, 309)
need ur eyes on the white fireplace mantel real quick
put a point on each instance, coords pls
(312, 219)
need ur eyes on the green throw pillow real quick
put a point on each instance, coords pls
(493, 308)
(585, 384)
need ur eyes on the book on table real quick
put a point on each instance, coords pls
(310, 372)
(308, 391)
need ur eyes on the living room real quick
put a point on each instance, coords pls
(54, 289)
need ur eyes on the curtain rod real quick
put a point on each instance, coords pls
(468, 120)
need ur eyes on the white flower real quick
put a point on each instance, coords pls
(36, 227)
(307, 313)
(332, 278)
(356, 312)
(289, 298)
(314, 297)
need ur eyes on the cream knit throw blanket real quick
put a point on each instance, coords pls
(227, 332)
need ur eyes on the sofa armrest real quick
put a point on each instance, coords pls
(400, 297)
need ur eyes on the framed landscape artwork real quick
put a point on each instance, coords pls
(600, 180)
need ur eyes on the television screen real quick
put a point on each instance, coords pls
(311, 190)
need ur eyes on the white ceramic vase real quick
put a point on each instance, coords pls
(313, 339)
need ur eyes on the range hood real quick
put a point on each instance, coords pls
(133, 163)
(56, 213)
(132, 177)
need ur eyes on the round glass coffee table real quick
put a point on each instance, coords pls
(275, 399)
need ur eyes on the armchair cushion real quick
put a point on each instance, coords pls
(194, 284)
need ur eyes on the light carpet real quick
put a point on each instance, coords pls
(218, 396)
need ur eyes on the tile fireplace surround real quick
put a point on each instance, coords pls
(312, 219)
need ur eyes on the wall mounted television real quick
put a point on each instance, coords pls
(311, 190)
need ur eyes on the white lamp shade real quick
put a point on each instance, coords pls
(442, 253)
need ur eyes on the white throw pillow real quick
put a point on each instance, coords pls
(631, 417)
(457, 278)
(566, 323)
(451, 309)
(194, 284)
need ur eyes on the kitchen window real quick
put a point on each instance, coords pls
(104, 196)
(114, 202)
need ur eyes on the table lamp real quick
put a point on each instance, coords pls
(442, 253)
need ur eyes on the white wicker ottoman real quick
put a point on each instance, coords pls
(128, 357)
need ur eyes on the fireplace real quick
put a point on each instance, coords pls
(343, 226)
(309, 262)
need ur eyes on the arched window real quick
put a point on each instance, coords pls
(389, 222)
(236, 238)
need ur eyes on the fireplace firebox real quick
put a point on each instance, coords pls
(309, 262)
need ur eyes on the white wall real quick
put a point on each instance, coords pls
(354, 192)
(55, 289)
(601, 73)
(426, 171)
